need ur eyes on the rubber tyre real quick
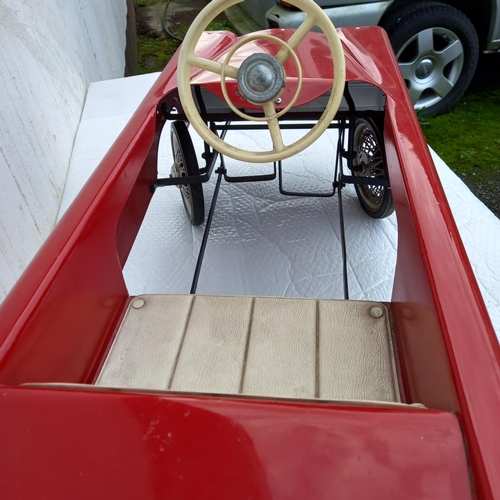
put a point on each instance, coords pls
(376, 201)
(186, 164)
(402, 25)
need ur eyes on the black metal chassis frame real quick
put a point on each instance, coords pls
(220, 124)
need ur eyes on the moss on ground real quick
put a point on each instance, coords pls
(154, 53)
(155, 49)
(146, 3)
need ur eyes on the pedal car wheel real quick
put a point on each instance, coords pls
(376, 201)
(186, 164)
(261, 80)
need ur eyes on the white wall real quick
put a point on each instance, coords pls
(50, 51)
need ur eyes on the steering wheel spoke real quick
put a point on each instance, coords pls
(296, 38)
(212, 66)
(274, 126)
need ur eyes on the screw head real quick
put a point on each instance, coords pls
(376, 312)
(138, 303)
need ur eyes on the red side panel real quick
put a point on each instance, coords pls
(71, 444)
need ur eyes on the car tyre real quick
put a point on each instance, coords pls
(437, 49)
(186, 164)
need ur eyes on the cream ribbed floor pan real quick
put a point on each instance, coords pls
(281, 347)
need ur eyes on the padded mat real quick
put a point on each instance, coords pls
(260, 346)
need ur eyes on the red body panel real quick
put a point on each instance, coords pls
(73, 444)
(58, 320)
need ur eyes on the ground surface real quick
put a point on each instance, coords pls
(467, 138)
(155, 46)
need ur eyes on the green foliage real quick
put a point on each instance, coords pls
(467, 138)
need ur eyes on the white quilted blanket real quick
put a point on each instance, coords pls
(263, 243)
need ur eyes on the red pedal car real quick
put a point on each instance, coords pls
(109, 395)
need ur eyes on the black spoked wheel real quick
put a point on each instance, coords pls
(186, 164)
(370, 161)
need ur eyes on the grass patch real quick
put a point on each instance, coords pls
(468, 138)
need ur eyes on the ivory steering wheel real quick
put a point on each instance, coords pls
(260, 79)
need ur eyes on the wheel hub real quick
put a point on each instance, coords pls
(424, 68)
(362, 160)
(261, 78)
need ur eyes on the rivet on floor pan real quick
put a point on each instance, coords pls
(376, 312)
(138, 303)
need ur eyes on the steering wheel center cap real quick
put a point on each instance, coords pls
(424, 68)
(261, 78)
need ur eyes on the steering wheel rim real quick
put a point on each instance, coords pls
(187, 60)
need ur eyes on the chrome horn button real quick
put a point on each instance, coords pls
(261, 78)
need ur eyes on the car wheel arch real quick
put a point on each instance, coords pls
(421, 34)
(478, 12)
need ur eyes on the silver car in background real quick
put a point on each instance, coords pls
(437, 44)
